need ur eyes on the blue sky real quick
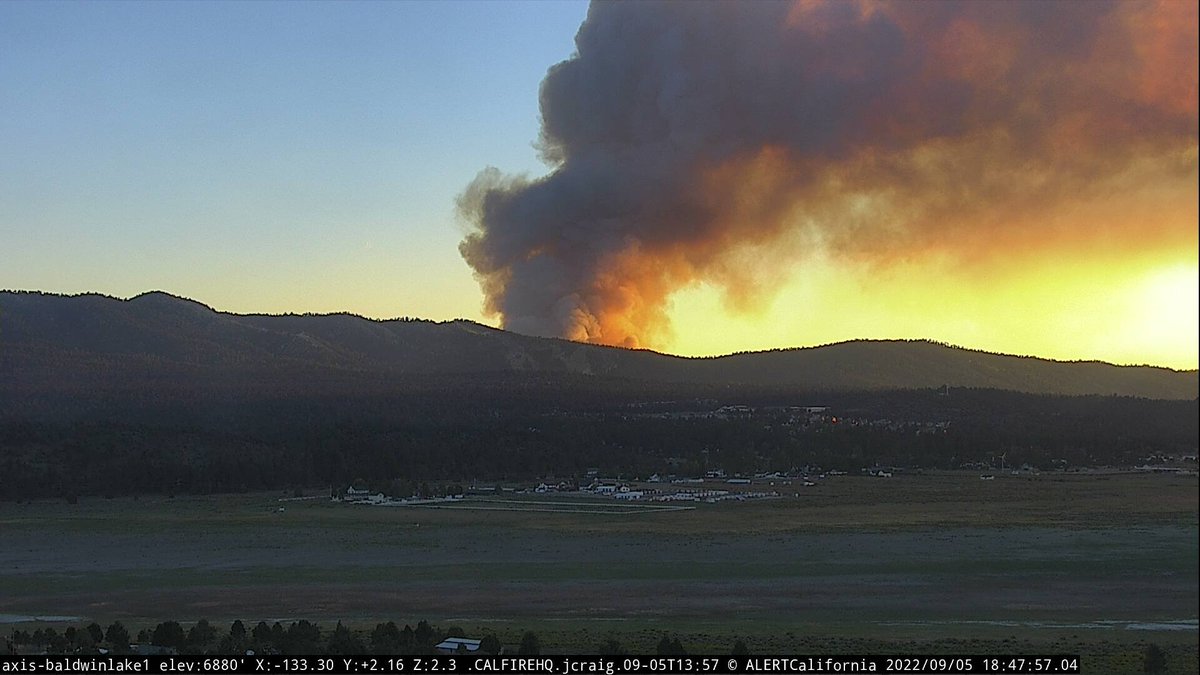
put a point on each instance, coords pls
(306, 157)
(263, 156)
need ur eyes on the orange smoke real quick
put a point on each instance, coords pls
(721, 143)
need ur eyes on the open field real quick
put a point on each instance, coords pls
(551, 505)
(1108, 561)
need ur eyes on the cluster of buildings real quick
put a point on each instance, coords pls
(624, 491)
(353, 495)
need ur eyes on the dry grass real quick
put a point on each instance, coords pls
(917, 559)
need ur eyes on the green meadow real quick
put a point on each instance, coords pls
(1096, 564)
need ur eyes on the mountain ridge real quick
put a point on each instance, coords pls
(469, 322)
(145, 331)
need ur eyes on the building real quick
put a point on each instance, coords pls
(355, 495)
(456, 644)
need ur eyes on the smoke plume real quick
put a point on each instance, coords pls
(718, 142)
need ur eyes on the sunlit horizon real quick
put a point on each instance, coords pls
(1006, 192)
(734, 326)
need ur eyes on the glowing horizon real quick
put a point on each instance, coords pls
(750, 337)
(1017, 177)
(946, 171)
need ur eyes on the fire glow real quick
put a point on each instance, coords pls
(728, 146)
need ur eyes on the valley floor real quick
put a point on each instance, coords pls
(1099, 565)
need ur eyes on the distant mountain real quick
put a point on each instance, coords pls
(46, 339)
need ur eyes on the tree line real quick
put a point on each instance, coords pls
(298, 638)
(468, 433)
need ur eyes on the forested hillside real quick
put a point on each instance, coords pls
(160, 394)
(47, 341)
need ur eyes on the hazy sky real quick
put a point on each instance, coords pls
(307, 157)
(263, 157)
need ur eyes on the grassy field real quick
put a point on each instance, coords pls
(1098, 564)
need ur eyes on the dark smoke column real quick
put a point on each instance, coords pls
(630, 125)
(684, 138)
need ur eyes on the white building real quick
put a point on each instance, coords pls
(452, 645)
